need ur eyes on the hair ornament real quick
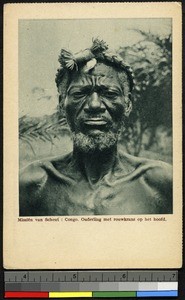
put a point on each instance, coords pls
(70, 61)
(98, 46)
(88, 58)
(89, 65)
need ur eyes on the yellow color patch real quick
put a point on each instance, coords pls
(69, 294)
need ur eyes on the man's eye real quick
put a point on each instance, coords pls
(110, 95)
(77, 95)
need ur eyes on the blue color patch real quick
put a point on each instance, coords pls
(157, 294)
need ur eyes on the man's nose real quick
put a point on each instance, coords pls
(94, 103)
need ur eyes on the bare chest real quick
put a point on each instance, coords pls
(102, 199)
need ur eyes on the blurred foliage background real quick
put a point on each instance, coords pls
(149, 129)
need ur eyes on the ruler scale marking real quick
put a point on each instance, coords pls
(92, 283)
(111, 277)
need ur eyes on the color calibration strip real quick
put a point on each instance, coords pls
(90, 284)
(107, 294)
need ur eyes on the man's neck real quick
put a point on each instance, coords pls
(95, 165)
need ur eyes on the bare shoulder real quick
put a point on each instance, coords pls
(36, 173)
(155, 169)
(156, 178)
(35, 184)
(156, 173)
(159, 173)
(32, 179)
(32, 174)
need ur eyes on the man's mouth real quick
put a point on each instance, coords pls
(95, 122)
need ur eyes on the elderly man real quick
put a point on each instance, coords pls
(95, 179)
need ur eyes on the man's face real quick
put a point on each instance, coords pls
(95, 106)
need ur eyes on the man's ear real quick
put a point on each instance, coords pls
(59, 99)
(128, 105)
(65, 102)
(61, 103)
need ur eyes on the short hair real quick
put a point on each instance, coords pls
(71, 63)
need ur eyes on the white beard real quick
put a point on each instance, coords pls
(89, 144)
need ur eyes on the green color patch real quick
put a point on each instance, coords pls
(113, 294)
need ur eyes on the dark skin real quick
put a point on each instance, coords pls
(94, 104)
(96, 182)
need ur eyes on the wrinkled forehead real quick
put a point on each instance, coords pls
(101, 73)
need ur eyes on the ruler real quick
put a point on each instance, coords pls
(92, 284)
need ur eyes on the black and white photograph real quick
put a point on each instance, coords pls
(95, 117)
